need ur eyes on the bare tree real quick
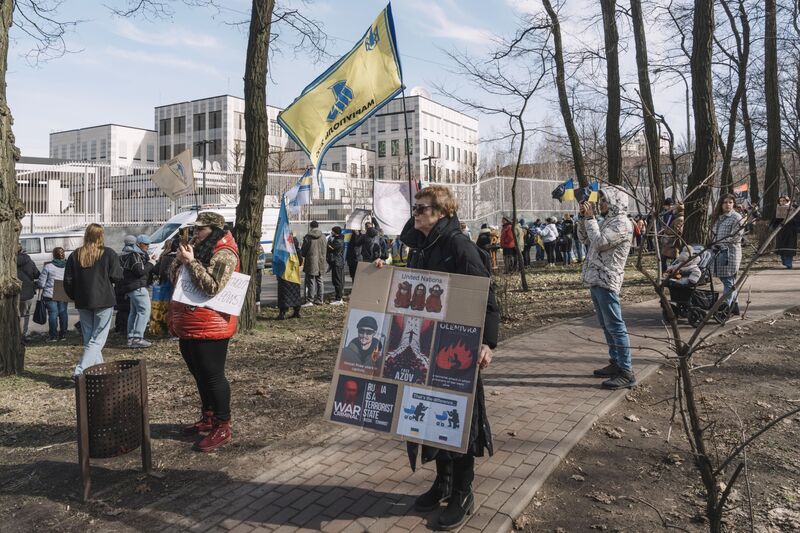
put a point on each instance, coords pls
(563, 97)
(237, 154)
(613, 140)
(705, 123)
(772, 105)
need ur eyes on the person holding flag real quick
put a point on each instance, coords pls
(286, 266)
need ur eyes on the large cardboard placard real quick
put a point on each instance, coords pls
(229, 300)
(407, 362)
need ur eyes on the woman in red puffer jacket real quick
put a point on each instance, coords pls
(210, 261)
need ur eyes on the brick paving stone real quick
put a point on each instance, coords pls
(242, 528)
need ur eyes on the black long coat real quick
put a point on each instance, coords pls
(786, 239)
(447, 249)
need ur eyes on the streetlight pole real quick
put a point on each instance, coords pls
(686, 85)
(204, 143)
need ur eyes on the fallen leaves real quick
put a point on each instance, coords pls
(631, 418)
(602, 497)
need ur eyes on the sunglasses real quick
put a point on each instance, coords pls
(418, 209)
(364, 331)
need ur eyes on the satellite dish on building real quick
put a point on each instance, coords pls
(197, 165)
(215, 166)
(421, 91)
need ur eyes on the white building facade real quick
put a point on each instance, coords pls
(122, 146)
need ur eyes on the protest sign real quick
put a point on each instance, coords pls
(229, 300)
(407, 361)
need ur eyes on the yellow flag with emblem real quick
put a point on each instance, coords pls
(348, 93)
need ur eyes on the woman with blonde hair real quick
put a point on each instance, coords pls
(89, 276)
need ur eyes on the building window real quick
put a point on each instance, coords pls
(72, 151)
(93, 150)
(163, 152)
(439, 150)
(354, 169)
(336, 167)
(395, 122)
(163, 127)
(371, 172)
(84, 150)
(447, 175)
(365, 145)
(395, 147)
(425, 146)
(238, 120)
(103, 149)
(395, 172)
(381, 170)
(214, 147)
(363, 170)
(381, 148)
(409, 146)
(178, 148)
(63, 151)
(275, 129)
(151, 153)
(199, 122)
(214, 120)
(458, 155)
(179, 124)
(427, 173)
(381, 124)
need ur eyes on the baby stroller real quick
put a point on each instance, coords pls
(692, 302)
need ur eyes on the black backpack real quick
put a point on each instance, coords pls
(484, 255)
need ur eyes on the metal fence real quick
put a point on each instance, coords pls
(67, 196)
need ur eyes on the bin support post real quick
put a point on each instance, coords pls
(83, 435)
(146, 455)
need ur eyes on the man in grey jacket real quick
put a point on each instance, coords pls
(609, 242)
(313, 252)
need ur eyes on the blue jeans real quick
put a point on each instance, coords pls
(786, 260)
(579, 251)
(56, 318)
(95, 324)
(139, 315)
(568, 257)
(609, 314)
(728, 282)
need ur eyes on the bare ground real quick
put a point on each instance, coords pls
(625, 475)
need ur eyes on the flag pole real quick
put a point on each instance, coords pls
(408, 156)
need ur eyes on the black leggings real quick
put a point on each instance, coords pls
(206, 362)
(550, 249)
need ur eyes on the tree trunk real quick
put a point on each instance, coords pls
(250, 211)
(743, 56)
(648, 108)
(563, 100)
(701, 177)
(12, 352)
(613, 141)
(752, 164)
(773, 111)
(523, 280)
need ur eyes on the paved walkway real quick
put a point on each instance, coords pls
(541, 401)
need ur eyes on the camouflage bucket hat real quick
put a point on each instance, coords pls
(208, 218)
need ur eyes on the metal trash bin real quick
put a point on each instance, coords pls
(111, 400)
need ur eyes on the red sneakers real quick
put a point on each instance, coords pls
(202, 426)
(220, 434)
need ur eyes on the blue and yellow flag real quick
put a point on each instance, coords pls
(348, 93)
(300, 194)
(569, 190)
(595, 187)
(285, 262)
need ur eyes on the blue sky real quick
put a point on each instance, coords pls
(126, 67)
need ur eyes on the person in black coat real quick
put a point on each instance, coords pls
(786, 239)
(335, 259)
(27, 274)
(354, 254)
(437, 243)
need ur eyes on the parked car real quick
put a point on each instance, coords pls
(40, 245)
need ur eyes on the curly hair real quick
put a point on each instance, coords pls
(441, 198)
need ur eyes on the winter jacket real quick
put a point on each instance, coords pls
(92, 287)
(671, 241)
(373, 246)
(609, 243)
(786, 239)
(314, 248)
(354, 248)
(27, 273)
(485, 239)
(549, 233)
(52, 272)
(507, 237)
(187, 322)
(726, 236)
(136, 268)
(335, 256)
(446, 249)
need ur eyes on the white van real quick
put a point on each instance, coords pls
(39, 246)
(169, 229)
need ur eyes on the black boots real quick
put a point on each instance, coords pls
(296, 313)
(461, 501)
(440, 491)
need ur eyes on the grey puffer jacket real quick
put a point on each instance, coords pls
(608, 242)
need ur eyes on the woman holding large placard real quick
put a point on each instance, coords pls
(210, 261)
(437, 243)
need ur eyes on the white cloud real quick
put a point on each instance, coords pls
(160, 59)
(177, 36)
(441, 23)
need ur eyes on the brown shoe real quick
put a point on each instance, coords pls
(202, 426)
(220, 434)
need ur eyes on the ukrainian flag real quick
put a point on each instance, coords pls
(348, 93)
(594, 195)
(300, 194)
(569, 190)
(285, 263)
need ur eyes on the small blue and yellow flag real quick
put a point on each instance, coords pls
(300, 194)
(569, 190)
(595, 187)
(285, 262)
(348, 93)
